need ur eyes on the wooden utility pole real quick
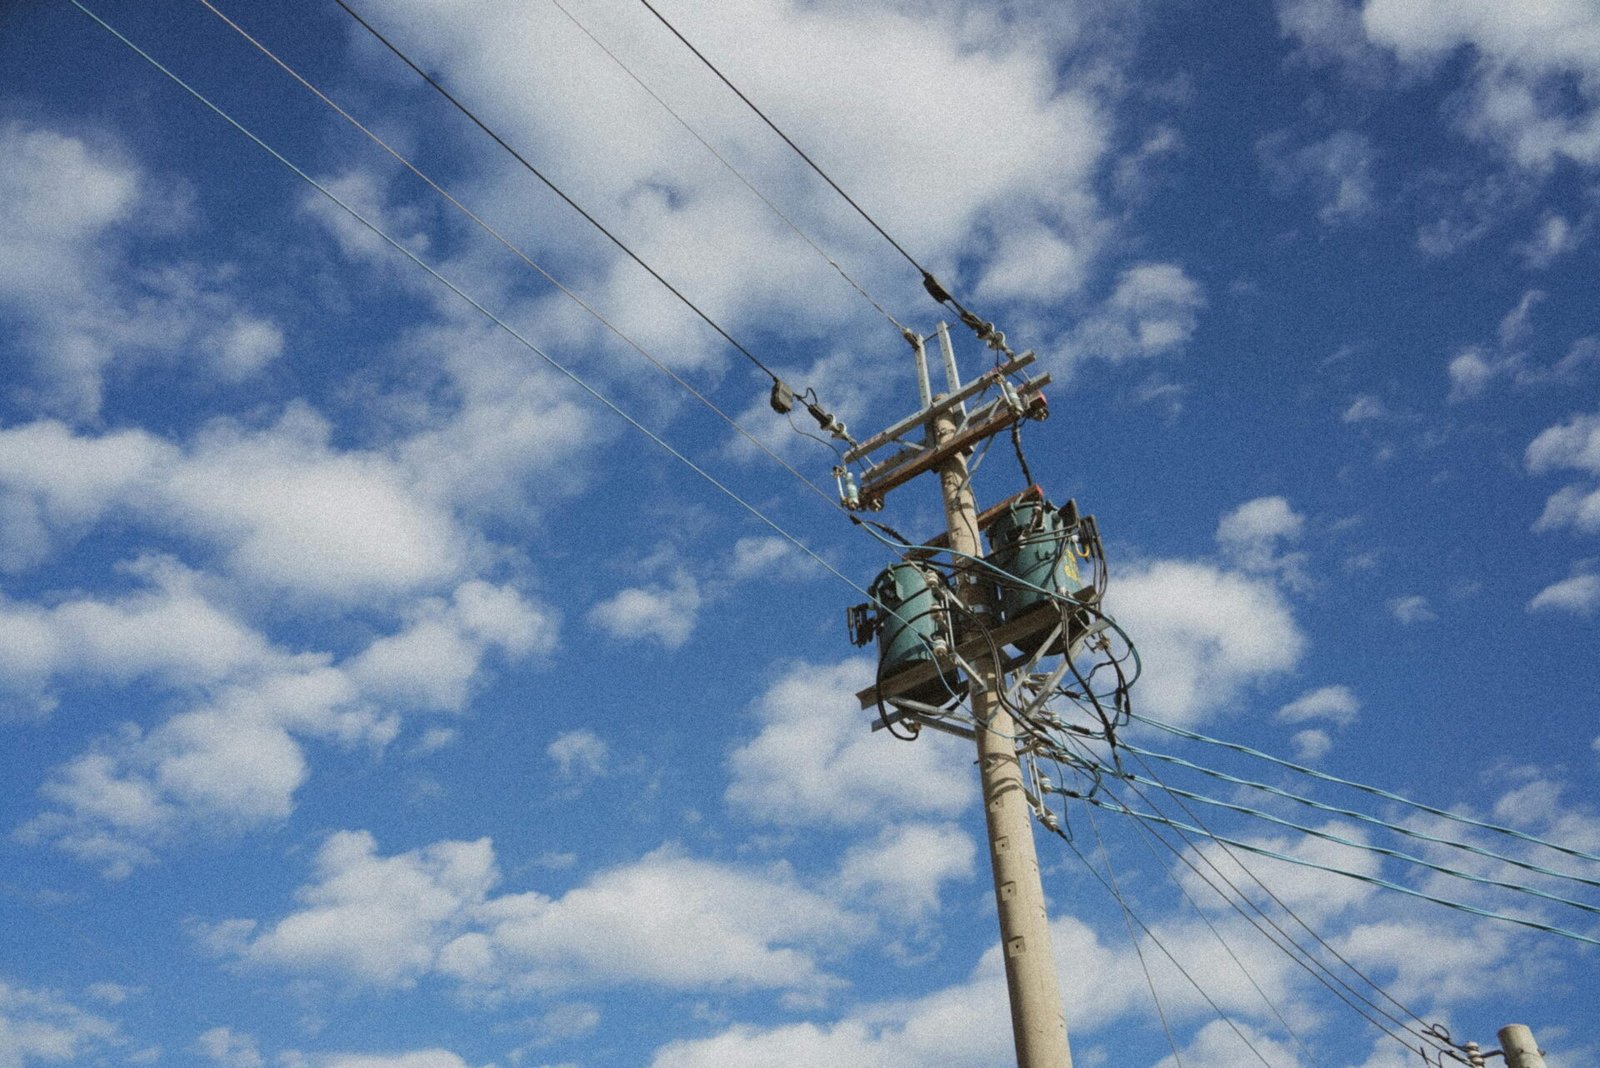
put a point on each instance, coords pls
(1520, 1050)
(1038, 1023)
(950, 432)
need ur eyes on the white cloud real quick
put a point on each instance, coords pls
(1579, 595)
(172, 630)
(948, 1028)
(1336, 170)
(228, 1048)
(1311, 745)
(1153, 311)
(1412, 608)
(985, 85)
(432, 663)
(1218, 1045)
(1553, 236)
(290, 512)
(72, 204)
(427, 1058)
(41, 1026)
(815, 760)
(662, 613)
(1318, 896)
(1333, 703)
(54, 484)
(580, 754)
(1250, 535)
(762, 557)
(1203, 634)
(383, 920)
(232, 762)
(1330, 31)
(1366, 409)
(1574, 444)
(665, 920)
(901, 873)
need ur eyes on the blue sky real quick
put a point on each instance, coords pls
(375, 696)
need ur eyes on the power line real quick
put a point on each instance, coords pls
(1381, 851)
(720, 158)
(1127, 922)
(1314, 773)
(1355, 815)
(1299, 950)
(985, 330)
(458, 291)
(786, 138)
(1223, 942)
(1224, 1017)
(516, 250)
(1372, 879)
(537, 173)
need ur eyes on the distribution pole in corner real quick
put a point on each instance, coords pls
(1038, 1021)
(1519, 1048)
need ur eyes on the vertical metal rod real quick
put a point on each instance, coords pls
(1521, 1051)
(1038, 1023)
(924, 387)
(951, 374)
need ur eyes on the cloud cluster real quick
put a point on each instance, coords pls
(236, 757)
(39, 1026)
(814, 761)
(1533, 91)
(666, 920)
(73, 204)
(1570, 446)
(1204, 634)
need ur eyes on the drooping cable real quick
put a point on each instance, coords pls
(458, 291)
(1284, 905)
(1223, 942)
(1362, 817)
(1127, 921)
(1374, 790)
(985, 330)
(518, 252)
(720, 158)
(1381, 851)
(537, 173)
(1372, 879)
(1298, 953)
(1209, 1000)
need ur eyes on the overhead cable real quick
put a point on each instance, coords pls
(1355, 815)
(1224, 1017)
(1299, 951)
(1426, 1032)
(720, 158)
(938, 292)
(1376, 791)
(1351, 843)
(458, 291)
(516, 251)
(1148, 832)
(537, 173)
(1127, 921)
(1359, 876)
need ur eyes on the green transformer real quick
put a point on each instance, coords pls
(910, 618)
(1032, 542)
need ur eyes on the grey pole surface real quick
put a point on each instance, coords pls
(1521, 1051)
(1037, 1019)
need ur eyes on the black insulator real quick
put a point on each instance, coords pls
(782, 397)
